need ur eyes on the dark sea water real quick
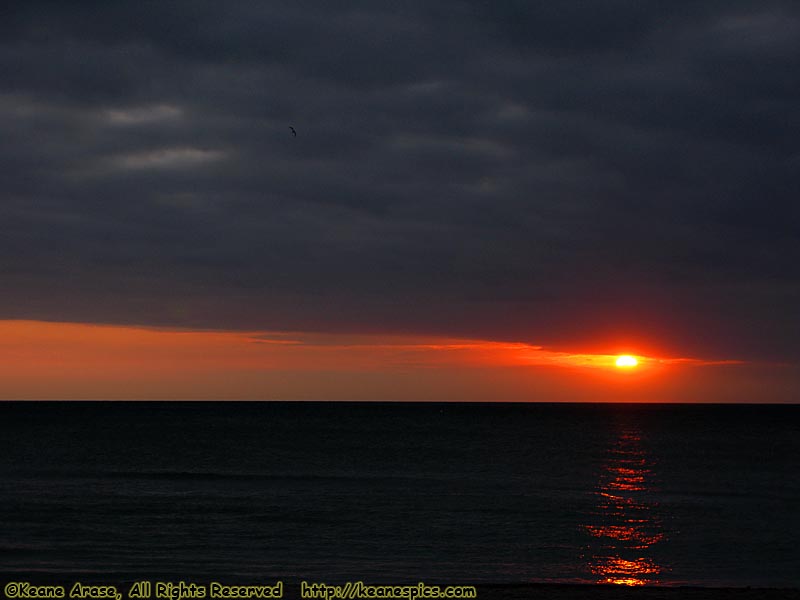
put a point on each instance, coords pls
(461, 493)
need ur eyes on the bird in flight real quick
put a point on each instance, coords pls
(294, 133)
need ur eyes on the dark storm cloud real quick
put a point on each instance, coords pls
(546, 172)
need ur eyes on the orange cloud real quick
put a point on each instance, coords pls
(54, 360)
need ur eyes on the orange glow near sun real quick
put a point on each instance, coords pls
(626, 361)
(47, 360)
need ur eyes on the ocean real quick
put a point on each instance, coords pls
(705, 495)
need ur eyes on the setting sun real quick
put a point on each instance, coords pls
(626, 362)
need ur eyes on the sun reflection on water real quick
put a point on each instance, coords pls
(625, 527)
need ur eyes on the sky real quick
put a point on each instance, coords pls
(483, 201)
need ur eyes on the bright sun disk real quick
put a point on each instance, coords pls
(626, 361)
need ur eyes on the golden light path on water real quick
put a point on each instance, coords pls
(625, 528)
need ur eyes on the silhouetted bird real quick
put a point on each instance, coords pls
(294, 133)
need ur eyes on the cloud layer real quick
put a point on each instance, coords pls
(549, 173)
